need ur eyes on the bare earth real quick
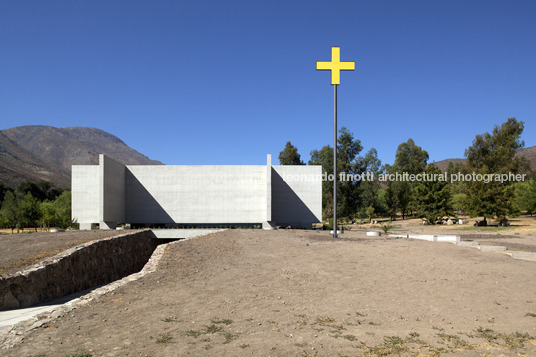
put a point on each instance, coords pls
(24, 249)
(300, 293)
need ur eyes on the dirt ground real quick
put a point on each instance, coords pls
(24, 249)
(300, 293)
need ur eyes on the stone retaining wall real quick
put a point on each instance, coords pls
(79, 268)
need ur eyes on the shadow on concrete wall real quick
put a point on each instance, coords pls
(288, 209)
(141, 206)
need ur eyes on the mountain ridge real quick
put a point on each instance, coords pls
(18, 165)
(40, 152)
(75, 145)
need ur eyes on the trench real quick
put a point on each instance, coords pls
(85, 267)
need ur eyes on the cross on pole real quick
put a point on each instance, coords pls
(335, 66)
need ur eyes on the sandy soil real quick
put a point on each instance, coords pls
(299, 293)
(24, 249)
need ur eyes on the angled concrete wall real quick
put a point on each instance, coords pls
(112, 191)
(296, 195)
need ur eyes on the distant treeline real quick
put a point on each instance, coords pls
(490, 153)
(34, 205)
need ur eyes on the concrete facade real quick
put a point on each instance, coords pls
(112, 193)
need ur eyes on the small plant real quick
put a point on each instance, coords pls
(349, 337)
(244, 346)
(229, 337)
(391, 345)
(458, 342)
(324, 320)
(166, 338)
(386, 228)
(193, 333)
(212, 329)
(530, 314)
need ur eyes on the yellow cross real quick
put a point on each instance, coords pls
(335, 66)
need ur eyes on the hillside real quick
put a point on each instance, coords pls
(18, 165)
(443, 164)
(529, 153)
(74, 145)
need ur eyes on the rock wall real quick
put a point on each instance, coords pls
(79, 268)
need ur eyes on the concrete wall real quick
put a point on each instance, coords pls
(196, 194)
(77, 269)
(296, 195)
(112, 191)
(85, 188)
(258, 194)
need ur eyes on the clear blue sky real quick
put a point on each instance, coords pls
(226, 82)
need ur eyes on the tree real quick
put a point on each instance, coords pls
(432, 196)
(525, 196)
(10, 211)
(290, 156)
(29, 211)
(3, 190)
(495, 153)
(348, 192)
(369, 189)
(62, 207)
(48, 214)
(410, 159)
(39, 190)
(459, 202)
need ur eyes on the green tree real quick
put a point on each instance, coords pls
(348, 191)
(290, 156)
(369, 211)
(3, 190)
(459, 202)
(432, 196)
(39, 190)
(48, 214)
(495, 153)
(410, 159)
(29, 211)
(370, 188)
(10, 211)
(62, 207)
(525, 196)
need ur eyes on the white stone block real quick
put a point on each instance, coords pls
(447, 238)
(427, 237)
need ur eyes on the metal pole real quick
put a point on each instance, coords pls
(334, 161)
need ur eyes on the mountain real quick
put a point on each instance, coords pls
(529, 153)
(443, 164)
(74, 145)
(18, 165)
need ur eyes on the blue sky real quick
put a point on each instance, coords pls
(227, 82)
